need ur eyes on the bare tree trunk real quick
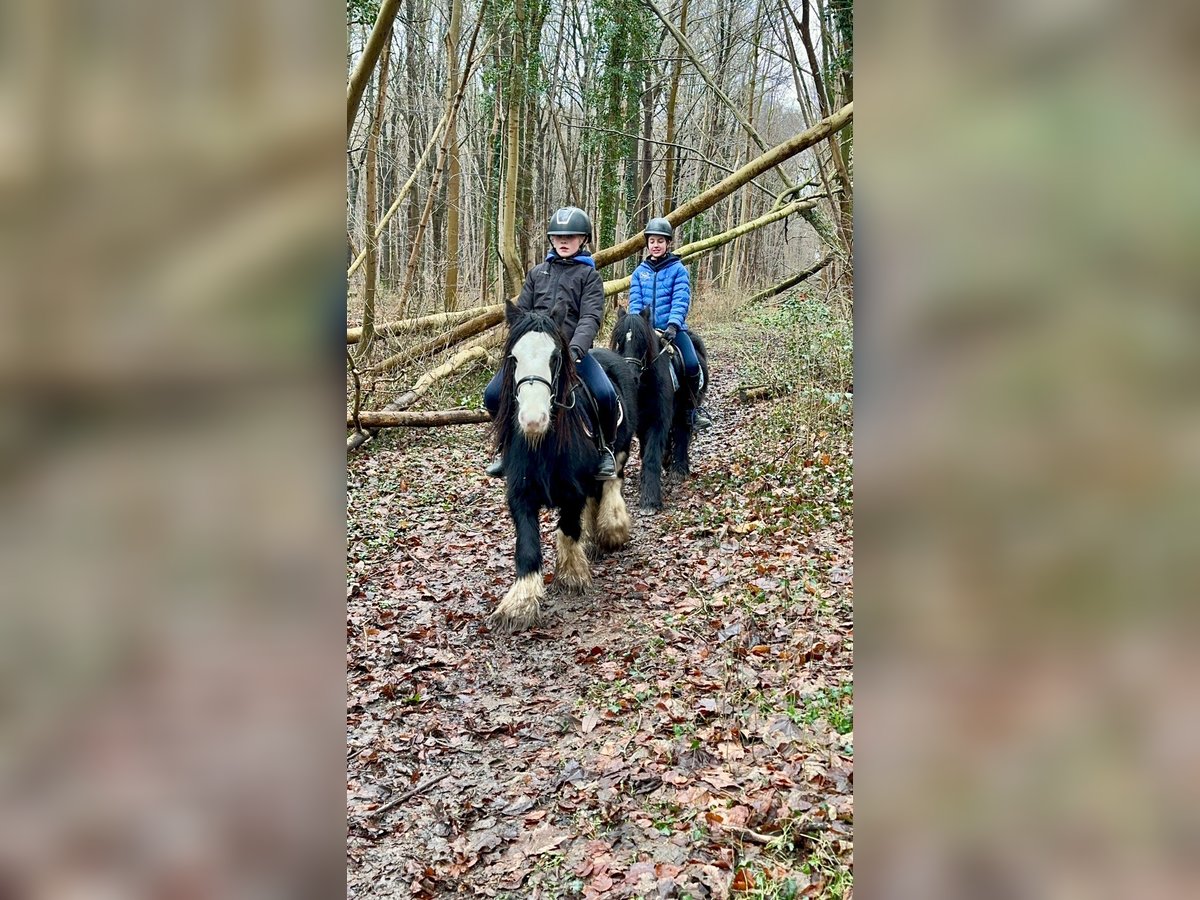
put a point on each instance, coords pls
(372, 237)
(415, 238)
(403, 419)
(740, 251)
(401, 194)
(454, 175)
(514, 102)
(412, 73)
(645, 199)
(686, 46)
(841, 204)
(672, 97)
(380, 36)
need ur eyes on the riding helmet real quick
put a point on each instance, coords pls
(660, 227)
(570, 220)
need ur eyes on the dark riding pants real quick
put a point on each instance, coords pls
(592, 375)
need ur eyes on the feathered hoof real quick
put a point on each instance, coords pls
(521, 607)
(649, 507)
(572, 572)
(612, 519)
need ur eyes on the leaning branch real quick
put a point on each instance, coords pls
(370, 56)
(693, 251)
(794, 280)
(422, 323)
(698, 204)
(457, 335)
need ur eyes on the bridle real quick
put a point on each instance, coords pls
(551, 384)
(643, 366)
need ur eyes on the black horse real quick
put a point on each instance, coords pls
(545, 433)
(665, 403)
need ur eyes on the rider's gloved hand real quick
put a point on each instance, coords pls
(672, 330)
(576, 355)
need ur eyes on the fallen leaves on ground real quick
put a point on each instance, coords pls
(684, 727)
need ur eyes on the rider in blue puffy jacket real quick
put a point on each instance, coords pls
(661, 283)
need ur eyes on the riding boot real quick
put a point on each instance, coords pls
(699, 418)
(607, 468)
(496, 467)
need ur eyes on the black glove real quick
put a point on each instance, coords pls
(577, 355)
(672, 330)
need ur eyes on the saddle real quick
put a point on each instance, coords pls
(591, 409)
(678, 370)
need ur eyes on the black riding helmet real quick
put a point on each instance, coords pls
(661, 227)
(570, 220)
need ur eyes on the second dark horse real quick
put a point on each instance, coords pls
(665, 410)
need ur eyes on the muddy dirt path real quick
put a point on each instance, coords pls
(682, 729)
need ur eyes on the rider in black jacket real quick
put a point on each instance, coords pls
(568, 278)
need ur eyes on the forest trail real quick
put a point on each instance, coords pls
(682, 729)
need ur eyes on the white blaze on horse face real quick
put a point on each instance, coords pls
(533, 354)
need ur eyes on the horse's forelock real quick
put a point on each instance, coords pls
(529, 323)
(644, 340)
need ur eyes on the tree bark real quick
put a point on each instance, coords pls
(842, 203)
(443, 153)
(752, 394)
(454, 175)
(728, 185)
(514, 103)
(672, 96)
(432, 419)
(372, 212)
(366, 63)
(645, 193)
(401, 194)
(693, 251)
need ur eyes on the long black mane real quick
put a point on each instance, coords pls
(642, 343)
(566, 424)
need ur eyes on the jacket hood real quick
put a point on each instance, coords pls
(659, 264)
(583, 256)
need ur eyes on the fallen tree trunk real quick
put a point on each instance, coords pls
(456, 335)
(698, 204)
(693, 251)
(458, 362)
(422, 323)
(793, 281)
(395, 419)
(759, 392)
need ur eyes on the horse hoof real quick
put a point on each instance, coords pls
(521, 608)
(650, 509)
(572, 584)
